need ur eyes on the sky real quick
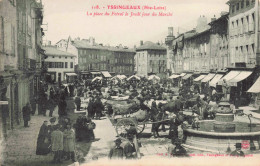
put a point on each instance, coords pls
(66, 18)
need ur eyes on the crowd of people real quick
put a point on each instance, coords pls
(61, 135)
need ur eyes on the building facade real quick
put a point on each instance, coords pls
(58, 63)
(151, 59)
(244, 32)
(21, 56)
(219, 54)
(92, 56)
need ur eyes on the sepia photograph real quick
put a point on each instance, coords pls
(129, 82)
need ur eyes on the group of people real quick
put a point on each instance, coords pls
(57, 138)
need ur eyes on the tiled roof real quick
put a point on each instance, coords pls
(54, 51)
(150, 46)
(85, 45)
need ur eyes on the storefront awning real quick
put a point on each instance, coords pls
(229, 76)
(183, 74)
(199, 78)
(255, 88)
(208, 77)
(71, 74)
(187, 76)
(214, 81)
(240, 77)
(95, 72)
(106, 74)
(174, 76)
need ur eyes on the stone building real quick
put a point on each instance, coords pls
(151, 59)
(91, 56)
(243, 32)
(59, 63)
(21, 56)
(219, 54)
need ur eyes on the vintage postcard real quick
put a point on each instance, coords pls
(129, 82)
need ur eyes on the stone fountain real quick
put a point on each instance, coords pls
(221, 134)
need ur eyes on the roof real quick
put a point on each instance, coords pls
(61, 40)
(221, 17)
(150, 46)
(85, 45)
(54, 51)
(205, 29)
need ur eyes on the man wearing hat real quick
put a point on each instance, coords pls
(238, 152)
(129, 148)
(116, 152)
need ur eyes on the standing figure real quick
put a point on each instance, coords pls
(52, 105)
(98, 108)
(26, 114)
(69, 143)
(78, 102)
(90, 107)
(43, 140)
(57, 144)
(62, 107)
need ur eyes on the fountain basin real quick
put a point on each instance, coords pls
(224, 117)
(224, 127)
(206, 139)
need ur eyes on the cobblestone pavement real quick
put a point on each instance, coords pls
(20, 147)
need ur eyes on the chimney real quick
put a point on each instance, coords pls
(170, 31)
(141, 42)
(92, 41)
(49, 43)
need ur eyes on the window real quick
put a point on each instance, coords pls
(247, 3)
(71, 57)
(233, 8)
(60, 57)
(242, 4)
(66, 64)
(71, 64)
(52, 56)
(237, 7)
(65, 57)
(253, 48)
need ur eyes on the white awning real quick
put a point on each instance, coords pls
(214, 81)
(208, 77)
(153, 77)
(97, 78)
(134, 76)
(71, 74)
(255, 88)
(240, 77)
(95, 72)
(199, 78)
(229, 76)
(183, 74)
(187, 76)
(106, 74)
(174, 76)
